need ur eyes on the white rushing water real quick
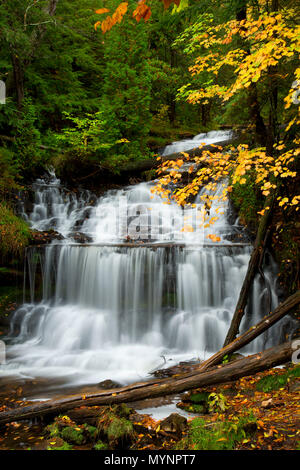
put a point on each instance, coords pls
(200, 139)
(119, 312)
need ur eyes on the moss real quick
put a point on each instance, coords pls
(275, 382)
(114, 426)
(219, 436)
(204, 402)
(119, 428)
(67, 430)
(52, 430)
(90, 431)
(14, 232)
(194, 408)
(65, 446)
(199, 397)
(100, 446)
(73, 436)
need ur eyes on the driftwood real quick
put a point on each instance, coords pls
(243, 367)
(253, 266)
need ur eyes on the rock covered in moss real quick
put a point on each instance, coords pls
(195, 402)
(174, 423)
(114, 426)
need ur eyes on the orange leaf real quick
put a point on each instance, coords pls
(101, 11)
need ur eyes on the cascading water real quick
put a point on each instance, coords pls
(188, 144)
(110, 310)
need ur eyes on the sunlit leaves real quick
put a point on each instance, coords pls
(271, 40)
(212, 169)
(110, 21)
(142, 11)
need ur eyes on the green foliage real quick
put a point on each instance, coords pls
(204, 402)
(225, 359)
(72, 435)
(91, 140)
(275, 382)
(27, 138)
(199, 397)
(8, 170)
(100, 446)
(114, 425)
(14, 232)
(217, 402)
(220, 436)
(119, 428)
(87, 136)
(65, 446)
(58, 67)
(127, 84)
(247, 200)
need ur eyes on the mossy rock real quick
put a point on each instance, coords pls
(59, 444)
(275, 382)
(66, 429)
(73, 436)
(100, 446)
(115, 427)
(193, 408)
(195, 403)
(199, 398)
(91, 432)
(174, 423)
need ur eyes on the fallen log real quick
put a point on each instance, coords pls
(269, 320)
(246, 366)
(253, 265)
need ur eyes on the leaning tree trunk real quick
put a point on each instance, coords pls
(253, 266)
(224, 373)
(283, 309)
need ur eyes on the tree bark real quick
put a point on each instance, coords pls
(253, 266)
(18, 72)
(243, 367)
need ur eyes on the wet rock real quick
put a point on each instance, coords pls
(42, 238)
(108, 384)
(80, 237)
(174, 424)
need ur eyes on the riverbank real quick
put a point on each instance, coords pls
(259, 412)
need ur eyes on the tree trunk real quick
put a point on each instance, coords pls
(224, 373)
(253, 265)
(253, 332)
(18, 78)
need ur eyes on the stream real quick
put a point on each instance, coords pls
(138, 295)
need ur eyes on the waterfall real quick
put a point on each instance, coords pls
(142, 293)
